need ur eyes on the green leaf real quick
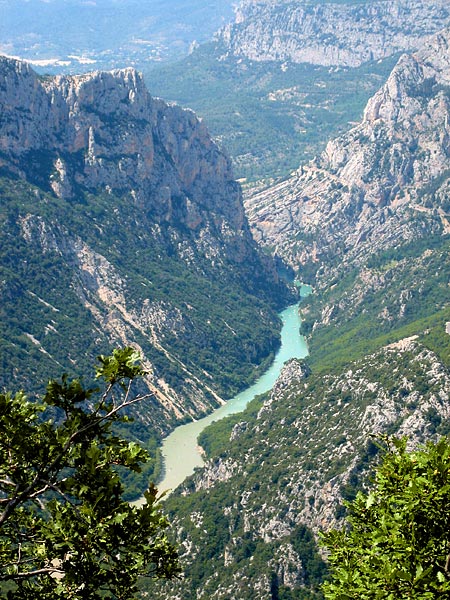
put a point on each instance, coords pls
(370, 500)
(67, 466)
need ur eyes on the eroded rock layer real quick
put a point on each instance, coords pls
(382, 183)
(122, 224)
(331, 33)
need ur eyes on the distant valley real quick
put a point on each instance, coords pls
(104, 34)
(269, 116)
(284, 77)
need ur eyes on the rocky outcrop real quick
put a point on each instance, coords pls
(376, 395)
(382, 183)
(129, 214)
(331, 33)
(104, 131)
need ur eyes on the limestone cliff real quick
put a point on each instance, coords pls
(382, 183)
(104, 131)
(121, 224)
(331, 33)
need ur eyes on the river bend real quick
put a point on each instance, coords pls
(180, 449)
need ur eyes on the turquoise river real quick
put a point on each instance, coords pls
(180, 449)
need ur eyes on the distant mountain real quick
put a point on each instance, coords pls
(75, 35)
(343, 33)
(285, 77)
(122, 224)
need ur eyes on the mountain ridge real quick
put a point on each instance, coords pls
(330, 33)
(370, 184)
(122, 223)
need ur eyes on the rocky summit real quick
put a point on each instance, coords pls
(122, 223)
(104, 131)
(383, 183)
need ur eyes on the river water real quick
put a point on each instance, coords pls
(180, 449)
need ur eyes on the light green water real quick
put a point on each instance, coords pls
(180, 449)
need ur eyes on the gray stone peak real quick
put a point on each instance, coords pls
(103, 130)
(382, 182)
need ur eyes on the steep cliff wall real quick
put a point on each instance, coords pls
(122, 223)
(331, 33)
(104, 130)
(383, 183)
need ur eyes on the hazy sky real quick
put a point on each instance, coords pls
(107, 31)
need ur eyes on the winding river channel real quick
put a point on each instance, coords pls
(180, 449)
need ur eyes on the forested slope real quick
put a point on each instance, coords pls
(122, 224)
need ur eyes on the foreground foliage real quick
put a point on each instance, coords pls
(398, 545)
(65, 531)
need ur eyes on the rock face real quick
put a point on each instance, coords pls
(122, 224)
(331, 33)
(103, 130)
(384, 182)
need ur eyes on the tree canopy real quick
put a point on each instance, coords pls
(65, 530)
(397, 543)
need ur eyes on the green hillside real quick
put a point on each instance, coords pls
(278, 473)
(399, 293)
(49, 326)
(270, 117)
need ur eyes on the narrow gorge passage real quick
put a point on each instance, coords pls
(180, 449)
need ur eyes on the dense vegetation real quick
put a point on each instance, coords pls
(48, 317)
(289, 461)
(65, 529)
(398, 293)
(269, 117)
(40, 294)
(397, 544)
